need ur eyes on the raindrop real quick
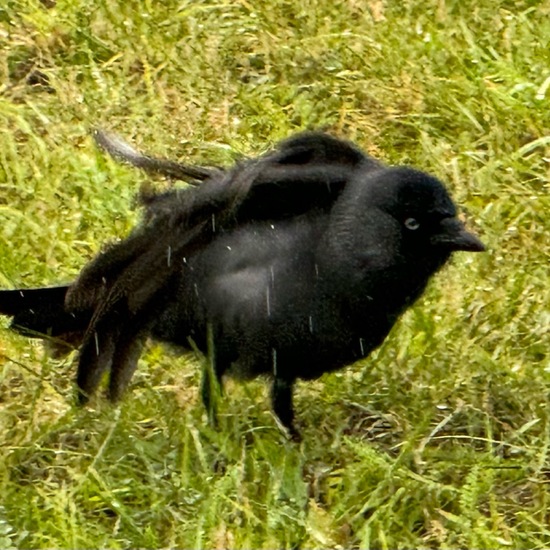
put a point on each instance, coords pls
(274, 361)
(362, 346)
(268, 303)
(96, 343)
(213, 223)
(272, 226)
(311, 324)
(184, 260)
(316, 270)
(169, 256)
(196, 289)
(104, 281)
(272, 275)
(228, 248)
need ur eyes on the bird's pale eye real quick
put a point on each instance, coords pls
(412, 223)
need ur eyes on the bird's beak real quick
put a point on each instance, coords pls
(453, 236)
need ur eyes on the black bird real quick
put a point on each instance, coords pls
(290, 265)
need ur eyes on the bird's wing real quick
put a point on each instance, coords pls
(121, 150)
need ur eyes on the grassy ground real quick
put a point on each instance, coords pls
(441, 439)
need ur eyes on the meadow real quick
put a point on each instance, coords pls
(441, 438)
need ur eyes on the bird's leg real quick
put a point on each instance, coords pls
(281, 401)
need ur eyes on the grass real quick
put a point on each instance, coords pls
(441, 438)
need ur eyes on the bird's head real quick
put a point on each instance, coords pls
(425, 212)
(400, 215)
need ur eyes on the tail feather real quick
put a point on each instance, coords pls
(13, 302)
(41, 313)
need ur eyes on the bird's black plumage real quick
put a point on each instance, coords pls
(292, 265)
